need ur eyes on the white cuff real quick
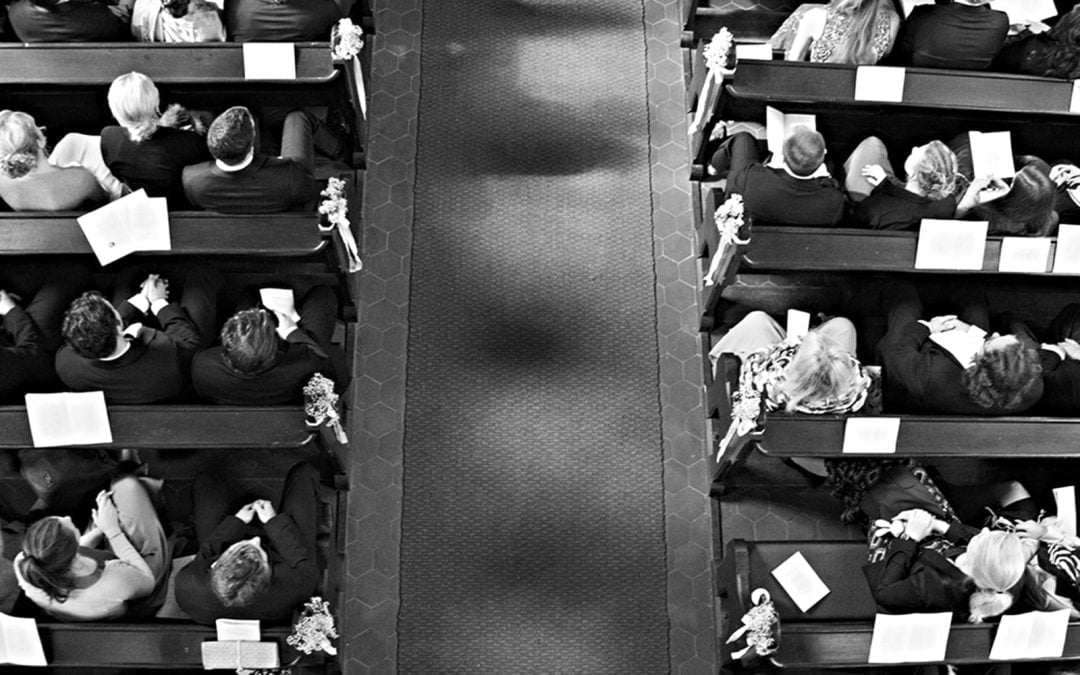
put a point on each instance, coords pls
(140, 303)
(157, 305)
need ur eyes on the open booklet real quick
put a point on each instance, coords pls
(279, 300)
(58, 420)
(20, 643)
(778, 126)
(964, 345)
(991, 154)
(129, 224)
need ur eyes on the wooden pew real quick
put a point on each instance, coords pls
(836, 632)
(183, 426)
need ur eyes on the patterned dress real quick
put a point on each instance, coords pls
(837, 26)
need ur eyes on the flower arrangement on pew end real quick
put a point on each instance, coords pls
(730, 217)
(313, 632)
(720, 52)
(335, 209)
(346, 40)
(761, 629)
(320, 406)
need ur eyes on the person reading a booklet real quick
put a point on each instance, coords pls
(951, 363)
(793, 189)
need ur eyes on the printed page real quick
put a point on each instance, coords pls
(801, 582)
(879, 83)
(1025, 11)
(242, 630)
(269, 61)
(129, 224)
(910, 638)
(753, 52)
(778, 126)
(1024, 254)
(962, 344)
(1065, 498)
(991, 154)
(951, 245)
(870, 435)
(798, 324)
(21, 643)
(279, 300)
(68, 419)
(1035, 635)
(1067, 255)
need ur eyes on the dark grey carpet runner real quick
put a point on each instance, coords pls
(533, 516)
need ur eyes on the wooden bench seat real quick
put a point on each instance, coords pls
(183, 426)
(836, 632)
(196, 233)
(141, 645)
(99, 63)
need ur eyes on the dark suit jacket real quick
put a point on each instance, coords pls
(295, 576)
(21, 358)
(908, 579)
(950, 36)
(155, 367)
(921, 376)
(1061, 384)
(267, 185)
(280, 384)
(289, 21)
(774, 196)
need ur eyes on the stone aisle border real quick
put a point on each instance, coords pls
(687, 475)
(369, 619)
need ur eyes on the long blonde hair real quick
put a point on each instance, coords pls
(820, 369)
(134, 101)
(858, 48)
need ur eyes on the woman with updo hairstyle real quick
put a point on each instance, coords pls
(119, 567)
(147, 151)
(884, 202)
(844, 31)
(28, 181)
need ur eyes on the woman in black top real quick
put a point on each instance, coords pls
(146, 151)
(884, 202)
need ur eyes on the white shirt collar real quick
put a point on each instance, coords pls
(232, 168)
(778, 163)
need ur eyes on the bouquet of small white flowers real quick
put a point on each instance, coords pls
(320, 405)
(346, 40)
(717, 51)
(730, 217)
(336, 209)
(314, 629)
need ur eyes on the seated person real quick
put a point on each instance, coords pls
(961, 34)
(265, 357)
(146, 151)
(1051, 53)
(1066, 179)
(113, 351)
(923, 559)
(70, 20)
(1061, 363)
(240, 180)
(1003, 376)
(883, 202)
(283, 20)
(29, 181)
(1023, 206)
(70, 577)
(177, 21)
(844, 31)
(793, 190)
(257, 564)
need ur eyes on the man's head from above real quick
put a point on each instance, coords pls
(241, 573)
(231, 137)
(249, 341)
(804, 150)
(92, 326)
(1005, 375)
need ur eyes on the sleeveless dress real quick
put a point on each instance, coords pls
(835, 33)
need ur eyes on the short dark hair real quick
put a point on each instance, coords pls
(232, 135)
(249, 340)
(90, 325)
(1008, 378)
(240, 576)
(804, 150)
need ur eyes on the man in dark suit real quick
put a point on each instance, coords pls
(265, 357)
(241, 180)
(113, 351)
(962, 34)
(257, 564)
(1003, 378)
(793, 190)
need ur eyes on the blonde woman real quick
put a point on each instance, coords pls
(930, 188)
(146, 151)
(844, 31)
(29, 181)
